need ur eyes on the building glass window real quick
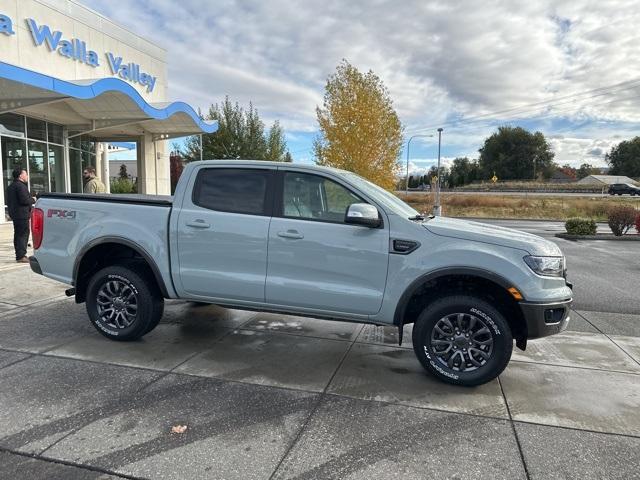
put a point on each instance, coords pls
(36, 129)
(81, 155)
(38, 178)
(56, 168)
(14, 154)
(12, 124)
(75, 170)
(55, 133)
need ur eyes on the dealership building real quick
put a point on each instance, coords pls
(71, 83)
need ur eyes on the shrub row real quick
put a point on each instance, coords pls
(581, 226)
(619, 218)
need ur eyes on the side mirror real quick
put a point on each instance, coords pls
(363, 214)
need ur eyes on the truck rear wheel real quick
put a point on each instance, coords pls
(122, 303)
(462, 340)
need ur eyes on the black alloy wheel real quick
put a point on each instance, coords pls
(463, 340)
(124, 302)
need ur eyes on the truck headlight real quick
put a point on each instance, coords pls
(546, 266)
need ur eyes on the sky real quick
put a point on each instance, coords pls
(570, 69)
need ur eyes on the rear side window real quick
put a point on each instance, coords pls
(233, 190)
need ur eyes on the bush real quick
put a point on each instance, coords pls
(122, 185)
(638, 223)
(621, 219)
(581, 226)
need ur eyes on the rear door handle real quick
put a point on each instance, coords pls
(199, 223)
(294, 234)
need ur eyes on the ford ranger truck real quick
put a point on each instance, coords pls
(309, 241)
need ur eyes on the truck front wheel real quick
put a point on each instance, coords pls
(122, 303)
(462, 340)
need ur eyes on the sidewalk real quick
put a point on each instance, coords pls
(7, 253)
(267, 396)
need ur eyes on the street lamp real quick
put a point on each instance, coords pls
(437, 209)
(406, 184)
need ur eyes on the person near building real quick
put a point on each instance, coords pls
(91, 183)
(19, 201)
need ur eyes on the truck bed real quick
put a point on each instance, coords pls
(139, 199)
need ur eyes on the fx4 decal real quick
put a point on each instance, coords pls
(54, 212)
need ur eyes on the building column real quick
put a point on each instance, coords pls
(153, 166)
(66, 161)
(104, 174)
(2, 205)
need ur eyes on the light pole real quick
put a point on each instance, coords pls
(437, 210)
(406, 183)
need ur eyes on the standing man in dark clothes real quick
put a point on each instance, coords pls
(19, 201)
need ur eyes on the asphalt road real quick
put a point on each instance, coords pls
(529, 194)
(605, 274)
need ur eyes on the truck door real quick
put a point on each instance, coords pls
(316, 260)
(222, 233)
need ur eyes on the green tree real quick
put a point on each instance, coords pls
(276, 145)
(359, 129)
(462, 172)
(240, 135)
(123, 172)
(624, 158)
(513, 153)
(585, 170)
(433, 173)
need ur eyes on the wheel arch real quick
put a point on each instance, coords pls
(489, 285)
(92, 257)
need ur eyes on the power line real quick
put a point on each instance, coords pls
(539, 105)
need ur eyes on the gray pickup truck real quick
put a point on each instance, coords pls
(308, 241)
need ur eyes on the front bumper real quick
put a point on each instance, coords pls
(545, 319)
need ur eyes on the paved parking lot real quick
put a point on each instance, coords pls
(270, 396)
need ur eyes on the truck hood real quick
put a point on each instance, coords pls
(482, 232)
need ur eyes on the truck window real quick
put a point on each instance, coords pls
(315, 198)
(232, 190)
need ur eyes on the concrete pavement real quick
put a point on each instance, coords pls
(272, 396)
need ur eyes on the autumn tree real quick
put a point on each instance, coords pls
(240, 135)
(175, 168)
(359, 129)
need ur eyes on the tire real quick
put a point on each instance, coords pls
(128, 289)
(489, 337)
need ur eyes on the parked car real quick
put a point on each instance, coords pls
(623, 188)
(309, 241)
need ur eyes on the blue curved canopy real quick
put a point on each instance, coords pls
(23, 89)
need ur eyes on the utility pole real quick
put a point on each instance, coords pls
(437, 209)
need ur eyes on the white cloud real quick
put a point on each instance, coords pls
(440, 60)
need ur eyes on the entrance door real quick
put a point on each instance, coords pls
(316, 260)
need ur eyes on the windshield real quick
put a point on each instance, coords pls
(389, 200)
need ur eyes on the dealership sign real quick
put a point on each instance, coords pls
(76, 49)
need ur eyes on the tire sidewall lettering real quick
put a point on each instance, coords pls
(489, 320)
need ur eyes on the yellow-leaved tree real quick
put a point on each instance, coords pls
(359, 129)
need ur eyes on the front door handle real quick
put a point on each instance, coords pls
(199, 223)
(291, 234)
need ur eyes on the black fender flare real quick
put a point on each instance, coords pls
(127, 243)
(442, 272)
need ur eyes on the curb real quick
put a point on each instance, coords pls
(600, 236)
